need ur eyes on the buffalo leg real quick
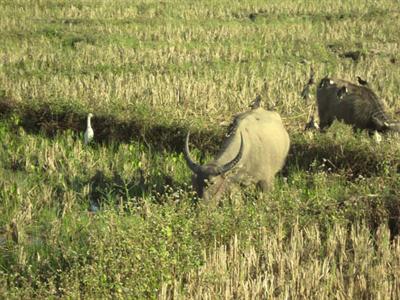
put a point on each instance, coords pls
(323, 125)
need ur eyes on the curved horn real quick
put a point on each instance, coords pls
(226, 167)
(191, 164)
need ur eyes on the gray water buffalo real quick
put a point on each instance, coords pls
(353, 104)
(253, 151)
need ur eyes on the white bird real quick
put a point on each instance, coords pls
(89, 133)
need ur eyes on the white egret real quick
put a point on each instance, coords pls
(89, 133)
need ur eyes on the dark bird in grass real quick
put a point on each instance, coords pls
(256, 102)
(253, 16)
(342, 91)
(14, 232)
(305, 93)
(354, 55)
(94, 207)
(361, 81)
(311, 124)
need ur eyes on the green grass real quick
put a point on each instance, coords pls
(150, 71)
(149, 230)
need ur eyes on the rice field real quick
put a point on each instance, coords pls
(118, 218)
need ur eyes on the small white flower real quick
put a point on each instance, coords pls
(377, 137)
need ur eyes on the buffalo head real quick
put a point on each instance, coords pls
(209, 180)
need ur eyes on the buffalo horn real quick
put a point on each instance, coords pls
(226, 167)
(192, 165)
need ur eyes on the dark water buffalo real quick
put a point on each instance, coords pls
(353, 104)
(253, 151)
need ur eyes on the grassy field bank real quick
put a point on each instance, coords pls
(118, 219)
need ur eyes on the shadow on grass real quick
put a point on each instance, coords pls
(108, 189)
(49, 121)
(350, 160)
(377, 210)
